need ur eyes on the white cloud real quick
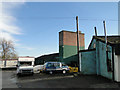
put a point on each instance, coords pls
(8, 27)
(28, 48)
(7, 36)
(24, 47)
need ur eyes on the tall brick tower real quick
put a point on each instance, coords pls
(68, 46)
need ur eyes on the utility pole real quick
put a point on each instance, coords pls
(78, 43)
(105, 34)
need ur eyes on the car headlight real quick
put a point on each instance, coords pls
(32, 70)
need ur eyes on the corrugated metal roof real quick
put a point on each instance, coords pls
(110, 39)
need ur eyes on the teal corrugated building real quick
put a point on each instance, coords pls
(101, 60)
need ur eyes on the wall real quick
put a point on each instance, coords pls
(47, 58)
(88, 62)
(101, 59)
(9, 63)
(116, 67)
(68, 46)
(92, 44)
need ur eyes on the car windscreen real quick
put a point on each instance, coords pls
(25, 63)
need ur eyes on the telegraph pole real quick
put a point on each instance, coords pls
(78, 43)
(105, 34)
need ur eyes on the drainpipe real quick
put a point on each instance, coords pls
(113, 71)
(97, 54)
(107, 52)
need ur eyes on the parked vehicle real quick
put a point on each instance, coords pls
(51, 67)
(25, 65)
(38, 68)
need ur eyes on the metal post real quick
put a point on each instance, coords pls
(78, 43)
(4, 60)
(95, 31)
(108, 63)
(105, 34)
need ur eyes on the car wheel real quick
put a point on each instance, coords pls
(64, 71)
(50, 72)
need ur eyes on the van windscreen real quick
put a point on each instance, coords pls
(25, 63)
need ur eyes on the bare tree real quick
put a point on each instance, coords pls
(7, 50)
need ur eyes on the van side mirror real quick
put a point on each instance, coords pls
(16, 65)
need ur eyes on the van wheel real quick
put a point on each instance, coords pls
(32, 74)
(50, 72)
(64, 71)
(18, 75)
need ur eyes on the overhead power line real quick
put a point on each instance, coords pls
(62, 18)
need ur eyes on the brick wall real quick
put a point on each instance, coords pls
(68, 46)
(70, 38)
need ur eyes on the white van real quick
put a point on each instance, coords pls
(25, 65)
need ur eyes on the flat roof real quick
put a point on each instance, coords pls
(71, 31)
(26, 57)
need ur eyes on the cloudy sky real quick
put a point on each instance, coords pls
(34, 26)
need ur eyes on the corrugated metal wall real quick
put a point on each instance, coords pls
(88, 62)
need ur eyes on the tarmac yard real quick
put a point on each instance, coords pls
(10, 80)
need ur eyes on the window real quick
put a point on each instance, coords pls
(50, 65)
(57, 64)
(53, 65)
(94, 45)
(25, 63)
(64, 65)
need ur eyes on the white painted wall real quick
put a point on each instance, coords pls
(117, 67)
(9, 63)
(80, 61)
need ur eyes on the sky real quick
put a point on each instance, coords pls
(34, 26)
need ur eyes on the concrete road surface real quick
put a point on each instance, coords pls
(10, 80)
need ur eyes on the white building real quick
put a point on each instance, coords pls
(8, 63)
